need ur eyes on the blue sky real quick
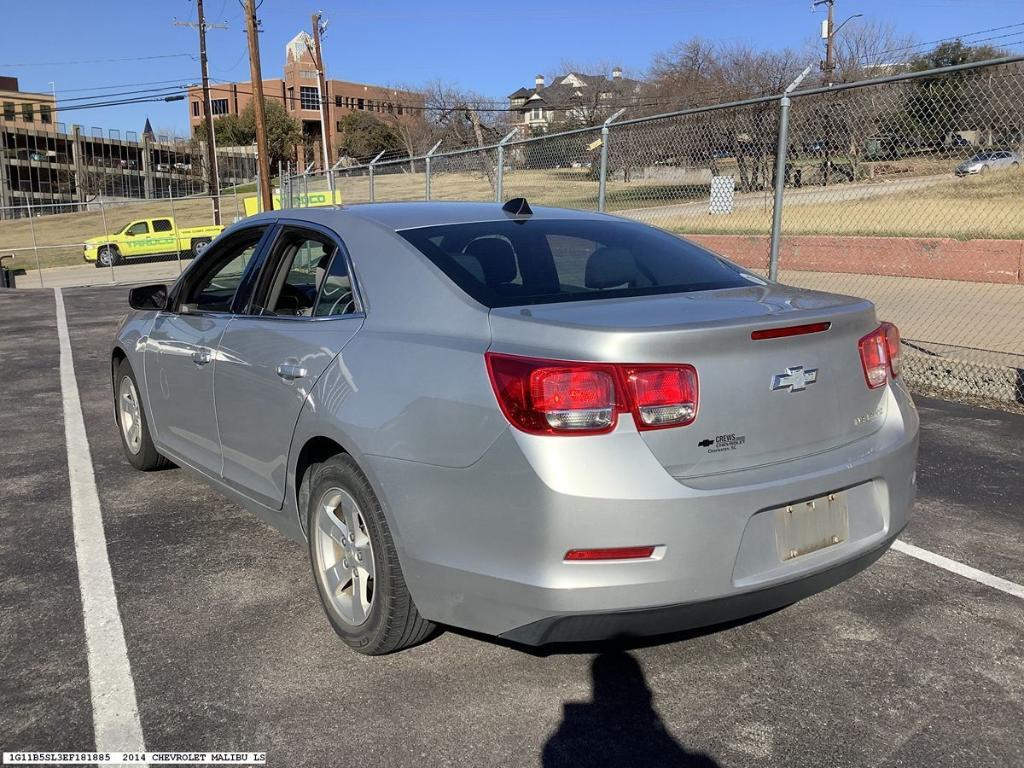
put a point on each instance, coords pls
(488, 47)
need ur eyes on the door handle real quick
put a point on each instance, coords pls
(201, 356)
(290, 371)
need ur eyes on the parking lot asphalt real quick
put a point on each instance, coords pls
(903, 665)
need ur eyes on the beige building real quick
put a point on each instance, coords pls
(25, 107)
(299, 92)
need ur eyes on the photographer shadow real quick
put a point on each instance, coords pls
(619, 726)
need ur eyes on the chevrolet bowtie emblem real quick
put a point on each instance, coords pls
(795, 379)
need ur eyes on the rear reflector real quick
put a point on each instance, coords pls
(613, 553)
(793, 330)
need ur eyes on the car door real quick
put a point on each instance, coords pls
(181, 351)
(136, 237)
(305, 308)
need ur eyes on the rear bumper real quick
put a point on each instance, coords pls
(483, 547)
(646, 622)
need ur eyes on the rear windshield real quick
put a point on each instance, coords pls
(546, 261)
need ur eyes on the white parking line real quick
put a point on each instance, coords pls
(960, 569)
(115, 714)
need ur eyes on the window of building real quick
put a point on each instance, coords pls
(537, 113)
(399, 109)
(306, 75)
(219, 106)
(359, 102)
(28, 114)
(8, 110)
(337, 101)
(45, 113)
(309, 97)
(337, 126)
(195, 109)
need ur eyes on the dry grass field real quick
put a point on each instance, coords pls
(990, 206)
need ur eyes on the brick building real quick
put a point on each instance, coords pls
(37, 110)
(299, 92)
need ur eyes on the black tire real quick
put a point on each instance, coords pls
(199, 244)
(108, 256)
(144, 456)
(392, 621)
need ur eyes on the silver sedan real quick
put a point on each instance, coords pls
(983, 162)
(544, 424)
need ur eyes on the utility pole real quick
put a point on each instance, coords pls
(259, 108)
(316, 51)
(213, 172)
(827, 66)
(828, 34)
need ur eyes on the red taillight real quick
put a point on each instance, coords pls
(559, 397)
(550, 397)
(880, 354)
(662, 396)
(892, 340)
(611, 553)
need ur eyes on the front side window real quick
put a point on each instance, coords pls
(138, 228)
(309, 278)
(218, 275)
(544, 261)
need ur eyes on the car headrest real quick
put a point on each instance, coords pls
(496, 257)
(610, 267)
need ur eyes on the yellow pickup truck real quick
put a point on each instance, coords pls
(148, 237)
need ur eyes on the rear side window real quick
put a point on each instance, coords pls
(162, 225)
(543, 261)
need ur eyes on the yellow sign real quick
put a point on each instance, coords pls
(312, 200)
(595, 144)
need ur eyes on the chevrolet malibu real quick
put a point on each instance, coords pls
(542, 424)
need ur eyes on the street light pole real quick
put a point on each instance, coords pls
(829, 30)
(318, 60)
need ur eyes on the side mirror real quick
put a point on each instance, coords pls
(148, 297)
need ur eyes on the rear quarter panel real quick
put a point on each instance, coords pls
(412, 384)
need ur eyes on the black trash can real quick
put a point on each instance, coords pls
(6, 275)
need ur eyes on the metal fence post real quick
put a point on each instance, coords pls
(35, 246)
(499, 186)
(780, 174)
(430, 154)
(603, 181)
(174, 217)
(378, 157)
(106, 236)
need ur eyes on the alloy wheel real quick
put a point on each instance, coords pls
(344, 556)
(129, 414)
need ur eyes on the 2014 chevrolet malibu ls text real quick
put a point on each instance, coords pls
(544, 424)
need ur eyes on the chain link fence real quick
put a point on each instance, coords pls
(905, 189)
(60, 188)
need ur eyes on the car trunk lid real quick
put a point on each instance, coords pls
(761, 401)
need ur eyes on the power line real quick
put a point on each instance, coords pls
(963, 37)
(99, 61)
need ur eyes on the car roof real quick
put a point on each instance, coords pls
(410, 215)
